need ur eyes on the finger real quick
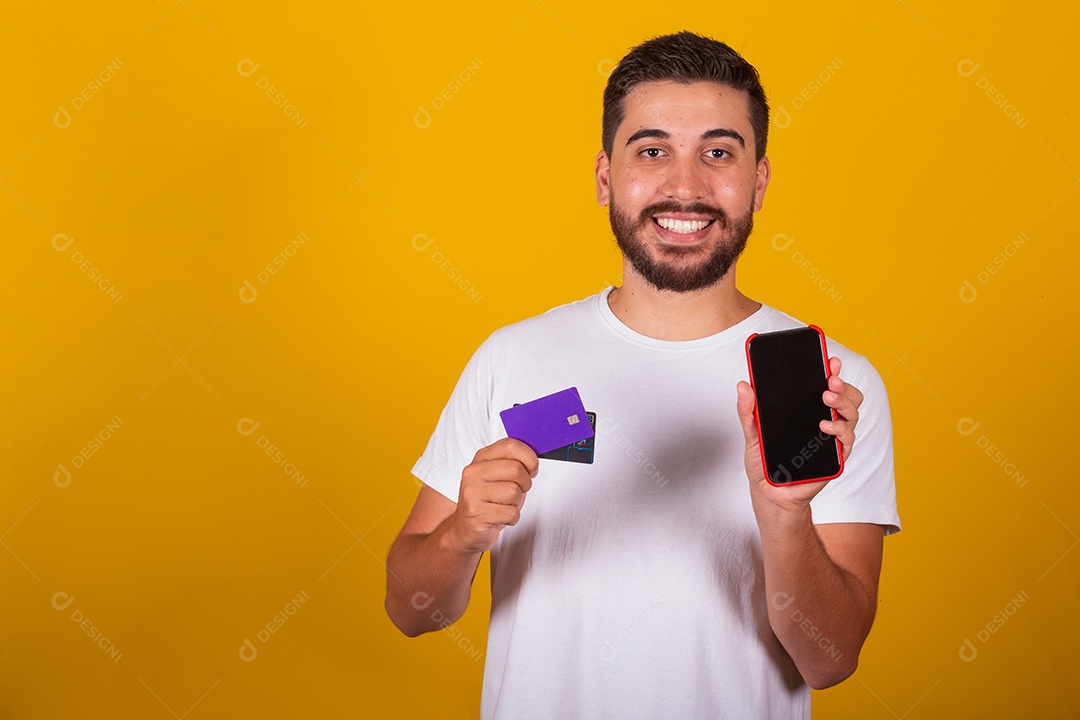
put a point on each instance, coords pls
(844, 398)
(495, 515)
(511, 449)
(846, 407)
(505, 513)
(834, 366)
(512, 516)
(838, 427)
(837, 385)
(840, 387)
(492, 504)
(745, 406)
(496, 471)
(502, 493)
(842, 431)
(844, 427)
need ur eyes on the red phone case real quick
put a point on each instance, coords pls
(757, 420)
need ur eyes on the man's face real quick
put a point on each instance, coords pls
(682, 182)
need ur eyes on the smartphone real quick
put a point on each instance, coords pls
(789, 371)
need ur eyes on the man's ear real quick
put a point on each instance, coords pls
(603, 179)
(764, 172)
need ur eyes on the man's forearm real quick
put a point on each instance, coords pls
(820, 612)
(428, 581)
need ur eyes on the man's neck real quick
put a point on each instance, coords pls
(668, 315)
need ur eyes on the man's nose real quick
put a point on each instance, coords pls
(685, 180)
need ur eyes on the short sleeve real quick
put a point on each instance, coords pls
(866, 491)
(462, 428)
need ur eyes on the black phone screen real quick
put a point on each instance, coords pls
(787, 372)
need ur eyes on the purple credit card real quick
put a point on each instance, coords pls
(550, 422)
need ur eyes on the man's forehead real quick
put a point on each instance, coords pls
(696, 94)
(652, 102)
(697, 86)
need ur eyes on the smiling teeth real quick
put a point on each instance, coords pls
(683, 227)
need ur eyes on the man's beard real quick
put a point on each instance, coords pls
(669, 269)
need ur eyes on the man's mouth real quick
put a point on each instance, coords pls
(682, 227)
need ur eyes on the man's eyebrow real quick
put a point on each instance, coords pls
(707, 135)
(648, 133)
(724, 132)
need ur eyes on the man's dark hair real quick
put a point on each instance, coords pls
(685, 58)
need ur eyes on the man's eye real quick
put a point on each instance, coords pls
(652, 152)
(718, 154)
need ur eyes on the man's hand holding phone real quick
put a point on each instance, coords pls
(841, 397)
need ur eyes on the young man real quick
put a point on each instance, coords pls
(668, 578)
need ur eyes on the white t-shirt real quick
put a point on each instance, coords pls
(634, 587)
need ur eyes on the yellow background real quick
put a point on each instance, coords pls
(179, 180)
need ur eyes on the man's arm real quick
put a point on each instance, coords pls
(821, 589)
(820, 581)
(431, 564)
